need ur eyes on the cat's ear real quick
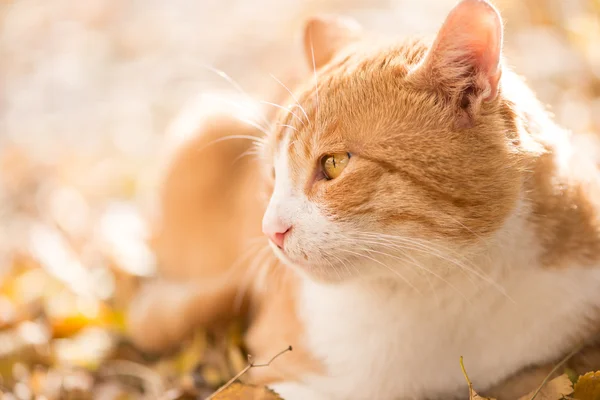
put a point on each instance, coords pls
(325, 35)
(465, 58)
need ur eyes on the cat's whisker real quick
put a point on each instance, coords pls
(440, 251)
(288, 126)
(256, 264)
(427, 277)
(428, 249)
(293, 97)
(247, 153)
(342, 263)
(314, 64)
(285, 109)
(255, 139)
(411, 261)
(414, 262)
(385, 266)
(236, 86)
(406, 246)
(253, 124)
(333, 268)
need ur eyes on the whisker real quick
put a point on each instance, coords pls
(288, 126)
(293, 97)
(385, 266)
(428, 249)
(463, 225)
(255, 139)
(334, 268)
(247, 279)
(236, 86)
(251, 152)
(253, 124)
(312, 51)
(285, 109)
(418, 265)
(344, 264)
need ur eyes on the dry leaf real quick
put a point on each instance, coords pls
(476, 396)
(588, 387)
(238, 391)
(556, 389)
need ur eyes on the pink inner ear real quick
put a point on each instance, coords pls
(470, 37)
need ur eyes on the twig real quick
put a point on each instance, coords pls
(464, 371)
(242, 372)
(556, 367)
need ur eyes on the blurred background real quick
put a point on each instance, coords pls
(87, 90)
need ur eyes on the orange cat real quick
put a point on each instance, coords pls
(423, 206)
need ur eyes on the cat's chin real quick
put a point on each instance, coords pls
(280, 254)
(314, 273)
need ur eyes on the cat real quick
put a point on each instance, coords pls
(420, 205)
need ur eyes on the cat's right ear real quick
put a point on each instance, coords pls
(464, 61)
(325, 35)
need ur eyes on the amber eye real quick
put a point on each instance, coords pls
(334, 164)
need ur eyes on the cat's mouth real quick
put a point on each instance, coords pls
(313, 271)
(288, 261)
(279, 253)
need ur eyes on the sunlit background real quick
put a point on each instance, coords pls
(87, 90)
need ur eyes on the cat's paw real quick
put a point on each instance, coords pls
(156, 319)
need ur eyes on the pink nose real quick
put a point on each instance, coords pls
(279, 237)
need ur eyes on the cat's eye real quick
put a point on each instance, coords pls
(333, 164)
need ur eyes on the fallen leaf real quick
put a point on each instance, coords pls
(189, 357)
(238, 391)
(588, 387)
(556, 389)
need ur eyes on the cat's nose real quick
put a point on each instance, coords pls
(277, 233)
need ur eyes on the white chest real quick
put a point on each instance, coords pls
(377, 342)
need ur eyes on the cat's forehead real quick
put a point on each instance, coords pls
(362, 100)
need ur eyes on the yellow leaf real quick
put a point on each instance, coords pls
(69, 314)
(69, 325)
(190, 356)
(588, 387)
(211, 376)
(237, 361)
(556, 389)
(238, 391)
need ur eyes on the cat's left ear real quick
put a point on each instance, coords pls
(325, 35)
(465, 58)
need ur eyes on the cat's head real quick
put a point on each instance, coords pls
(393, 146)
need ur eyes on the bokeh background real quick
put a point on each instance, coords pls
(87, 90)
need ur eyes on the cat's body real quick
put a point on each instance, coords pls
(461, 224)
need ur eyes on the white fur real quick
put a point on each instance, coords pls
(380, 339)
